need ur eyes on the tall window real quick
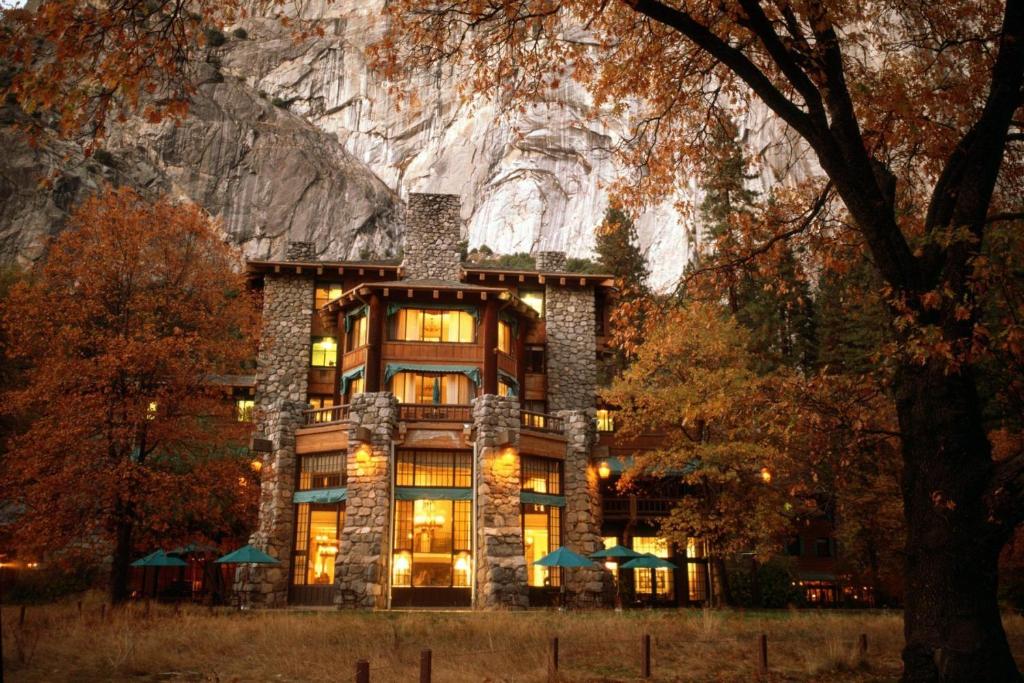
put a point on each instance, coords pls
(326, 293)
(541, 475)
(445, 469)
(697, 569)
(534, 359)
(419, 387)
(504, 337)
(430, 325)
(659, 548)
(355, 387)
(534, 299)
(605, 420)
(357, 333)
(244, 408)
(432, 544)
(316, 402)
(542, 533)
(324, 353)
(321, 471)
(316, 543)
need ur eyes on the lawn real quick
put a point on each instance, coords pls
(57, 643)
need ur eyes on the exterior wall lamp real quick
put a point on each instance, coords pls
(603, 470)
(766, 475)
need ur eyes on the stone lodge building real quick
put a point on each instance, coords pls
(434, 430)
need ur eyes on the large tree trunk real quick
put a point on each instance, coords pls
(120, 568)
(952, 622)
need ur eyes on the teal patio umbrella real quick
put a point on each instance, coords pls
(617, 553)
(157, 559)
(246, 555)
(563, 557)
(652, 562)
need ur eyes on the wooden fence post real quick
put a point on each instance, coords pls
(553, 660)
(79, 608)
(21, 616)
(762, 655)
(862, 645)
(425, 666)
(645, 656)
(103, 611)
(362, 671)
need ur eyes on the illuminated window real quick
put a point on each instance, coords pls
(504, 337)
(244, 408)
(541, 475)
(325, 352)
(542, 533)
(605, 420)
(432, 325)
(432, 544)
(659, 548)
(447, 469)
(696, 548)
(357, 333)
(355, 387)
(326, 293)
(533, 299)
(440, 388)
(697, 580)
(506, 388)
(318, 402)
(316, 543)
(323, 471)
(534, 359)
(611, 565)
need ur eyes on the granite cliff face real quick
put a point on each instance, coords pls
(292, 140)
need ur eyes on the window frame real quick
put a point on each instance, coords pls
(398, 322)
(313, 351)
(402, 459)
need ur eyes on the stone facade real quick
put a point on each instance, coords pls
(581, 522)
(500, 561)
(300, 251)
(361, 563)
(281, 377)
(550, 261)
(432, 235)
(571, 340)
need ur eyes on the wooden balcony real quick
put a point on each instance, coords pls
(432, 412)
(325, 416)
(433, 352)
(507, 364)
(635, 507)
(541, 422)
(353, 358)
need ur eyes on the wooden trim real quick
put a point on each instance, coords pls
(375, 334)
(490, 335)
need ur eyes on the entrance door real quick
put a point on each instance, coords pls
(431, 564)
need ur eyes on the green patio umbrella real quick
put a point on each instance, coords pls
(157, 559)
(652, 562)
(247, 555)
(563, 557)
(617, 553)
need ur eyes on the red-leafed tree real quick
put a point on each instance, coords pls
(128, 437)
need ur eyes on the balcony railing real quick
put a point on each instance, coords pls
(634, 507)
(541, 422)
(435, 412)
(324, 416)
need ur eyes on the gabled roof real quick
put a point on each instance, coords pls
(474, 273)
(397, 288)
(257, 267)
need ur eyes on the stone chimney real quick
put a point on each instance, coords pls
(433, 230)
(300, 251)
(550, 261)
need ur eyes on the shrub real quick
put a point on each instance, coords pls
(240, 33)
(214, 37)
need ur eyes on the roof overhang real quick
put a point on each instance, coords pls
(256, 269)
(405, 290)
(563, 279)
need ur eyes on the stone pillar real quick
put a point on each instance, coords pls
(500, 559)
(581, 523)
(282, 374)
(433, 230)
(550, 261)
(571, 347)
(361, 564)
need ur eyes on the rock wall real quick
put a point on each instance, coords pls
(433, 230)
(571, 340)
(500, 561)
(361, 563)
(281, 375)
(581, 521)
(550, 261)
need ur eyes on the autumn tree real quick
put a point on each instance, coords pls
(909, 113)
(123, 330)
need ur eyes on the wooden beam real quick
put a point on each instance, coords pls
(501, 277)
(458, 295)
(483, 296)
(522, 278)
(387, 291)
(298, 270)
(381, 272)
(583, 281)
(561, 281)
(341, 270)
(540, 279)
(482, 276)
(409, 293)
(436, 294)
(375, 337)
(277, 269)
(319, 270)
(490, 334)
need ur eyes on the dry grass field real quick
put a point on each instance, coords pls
(56, 643)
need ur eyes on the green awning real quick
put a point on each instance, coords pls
(349, 375)
(158, 558)
(511, 382)
(352, 315)
(247, 554)
(541, 499)
(335, 495)
(470, 371)
(472, 310)
(431, 493)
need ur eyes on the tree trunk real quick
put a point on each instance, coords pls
(723, 594)
(120, 568)
(952, 623)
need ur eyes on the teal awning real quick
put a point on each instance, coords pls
(349, 375)
(472, 310)
(541, 499)
(158, 558)
(352, 315)
(430, 493)
(563, 557)
(648, 561)
(335, 495)
(247, 554)
(511, 382)
(470, 371)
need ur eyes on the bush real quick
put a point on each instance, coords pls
(214, 37)
(278, 102)
(584, 265)
(104, 157)
(240, 33)
(775, 583)
(51, 583)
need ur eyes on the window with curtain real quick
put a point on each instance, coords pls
(504, 337)
(542, 533)
(357, 333)
(432, 544)
(659, 548)
(428, 387)
(324, 352)
(355, 387)
(505, 388)
(316, 543)
(432, 325)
